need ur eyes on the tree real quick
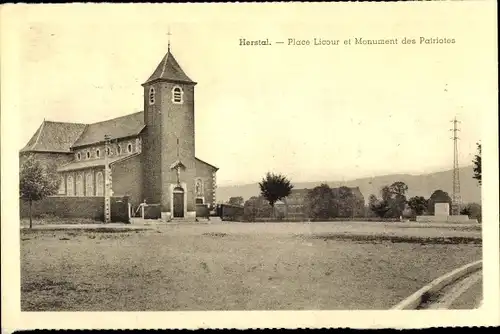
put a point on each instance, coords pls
(473, 210)
(418, 205)
(395, 198)
(36, 182)
(477, 164)
(378, 207)
(345, 202)
(275, 187)
(320, 202)
(393, 201)
(438, 196)
(255, 207)
(236, 200)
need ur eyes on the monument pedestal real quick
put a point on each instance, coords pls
(446, 219)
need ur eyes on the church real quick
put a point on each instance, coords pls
(146, 156)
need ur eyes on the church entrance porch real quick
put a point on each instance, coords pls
(177, 208)
(178, 202)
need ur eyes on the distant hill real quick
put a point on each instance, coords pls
(418, 185)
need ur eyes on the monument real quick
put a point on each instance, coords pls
(442, 215)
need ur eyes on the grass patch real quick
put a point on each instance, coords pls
(215, 234)
(401, 239)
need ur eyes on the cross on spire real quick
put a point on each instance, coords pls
(169, 34)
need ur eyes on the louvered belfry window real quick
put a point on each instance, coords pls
(151, 96)
(177, 94)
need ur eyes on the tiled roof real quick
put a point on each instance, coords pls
(54, 137)
(83, 164)
(169, 69)
(120, 127)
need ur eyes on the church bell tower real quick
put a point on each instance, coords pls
(168, 142)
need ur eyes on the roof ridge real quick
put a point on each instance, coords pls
(112, 119)
(60, 122)
(40, 128)
(165, 59)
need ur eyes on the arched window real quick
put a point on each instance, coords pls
(151, 96)
(88, 155)
(100, 184)
(78, 156)
(89, 185)
(69, 186)
(62, 187)
(129, 148)
(79, 185)
(177, 95)
(98, 153)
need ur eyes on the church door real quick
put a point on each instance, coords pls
(178, 203)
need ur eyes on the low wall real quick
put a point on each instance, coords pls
(230, 212)
(76, 207)
(202, 211)
(152, 211)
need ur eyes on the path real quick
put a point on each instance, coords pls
(465, 293)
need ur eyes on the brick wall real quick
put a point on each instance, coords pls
(151, 145)
(178, 123)
(127, 179)
(205, 173)
(76, 207)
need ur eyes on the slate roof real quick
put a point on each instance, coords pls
(120, 127)
(54, 137)
(169, 69)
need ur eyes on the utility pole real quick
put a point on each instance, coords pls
(456, 198)
(107, 183)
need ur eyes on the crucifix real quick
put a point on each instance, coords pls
(178, 171)
(178, 167)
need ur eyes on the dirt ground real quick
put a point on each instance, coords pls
(234, 266)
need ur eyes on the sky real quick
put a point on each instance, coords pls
(309, 112)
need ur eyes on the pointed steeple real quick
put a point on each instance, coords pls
(169, 70)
